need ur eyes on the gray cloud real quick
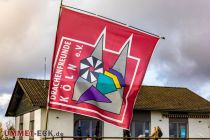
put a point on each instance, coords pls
(26, 37)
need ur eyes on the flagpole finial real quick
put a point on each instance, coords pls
(163, 37)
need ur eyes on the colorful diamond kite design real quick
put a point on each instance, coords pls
(101, 82)
(90, 68)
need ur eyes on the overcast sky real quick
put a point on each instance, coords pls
(27, 32)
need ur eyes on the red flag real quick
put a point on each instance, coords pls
(98, 67)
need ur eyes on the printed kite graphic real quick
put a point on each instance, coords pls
(97, 86)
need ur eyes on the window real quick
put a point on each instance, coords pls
(88, 128)
(21, 126)
(31, 125)
(178, 128)
(21, 123)
(140, 124)
(140, 128)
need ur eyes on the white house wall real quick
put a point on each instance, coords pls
(59, 121)
(112, 131)
(43, 118)
(37, 123)
(26, 120)
(17, 122)
(199, 128)
(158, 120)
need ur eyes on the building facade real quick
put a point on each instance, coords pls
(178, 112)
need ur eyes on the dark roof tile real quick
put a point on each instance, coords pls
(170, 99)
(35, 90)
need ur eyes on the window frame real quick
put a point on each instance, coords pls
(178, 122)
(133, 128)
(141, 116)
(31, 124)
(78, 120)
(21, 126)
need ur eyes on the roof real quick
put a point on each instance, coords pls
(149, 98)
(170, 99)
(35, 90)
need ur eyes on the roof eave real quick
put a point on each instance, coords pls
(174, 110)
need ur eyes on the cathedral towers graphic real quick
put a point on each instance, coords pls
(99, 86)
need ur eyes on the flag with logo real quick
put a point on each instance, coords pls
(98, 67)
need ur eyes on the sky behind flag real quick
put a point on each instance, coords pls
(27, 32)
